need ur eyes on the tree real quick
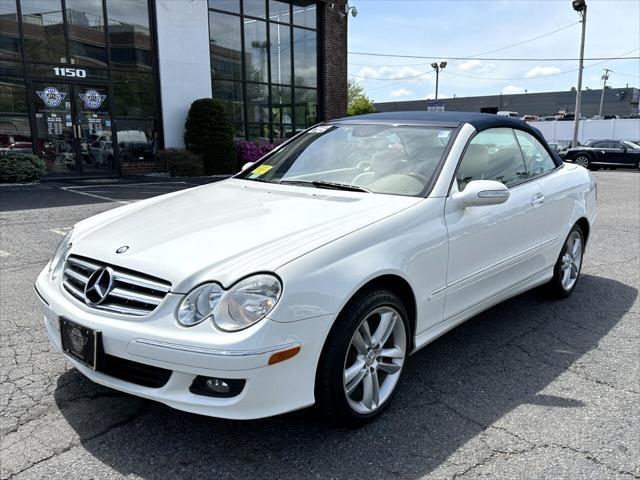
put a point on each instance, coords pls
(209, 134)
(359, 103)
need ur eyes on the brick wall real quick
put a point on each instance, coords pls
(139, 168)
(332, 25)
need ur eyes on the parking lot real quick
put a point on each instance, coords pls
(533, 388)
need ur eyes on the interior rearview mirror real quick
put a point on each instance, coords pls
(483, 192)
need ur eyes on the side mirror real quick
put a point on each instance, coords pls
(483, 192)
(247, 165)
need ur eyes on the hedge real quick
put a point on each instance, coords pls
(21, 167)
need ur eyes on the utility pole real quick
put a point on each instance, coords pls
(579, 6)
(605, 77)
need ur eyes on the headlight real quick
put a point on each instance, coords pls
(246, 303)
(199, 304)
(60, 255)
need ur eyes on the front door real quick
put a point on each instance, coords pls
(73, 131)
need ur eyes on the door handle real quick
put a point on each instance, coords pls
(537, 200)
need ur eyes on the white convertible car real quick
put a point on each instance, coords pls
(309, 277)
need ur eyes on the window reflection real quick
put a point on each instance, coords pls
(137, 139)
(226, 5)
(13, 96)
(9, 33)
(86, 31)
(257, 103)
(306, 106)
(226, 46)
(280, 54)
(129, 33)
(305, 57)
(304, 13)
(256, 50)
(255, 8)
(133, 94)
(15, 134)
(279, 11)
(230, 94)
(43, 30)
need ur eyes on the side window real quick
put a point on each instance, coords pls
(536, 158)
(493, 154)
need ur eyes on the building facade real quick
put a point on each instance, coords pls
(96, 87)
(617, 101)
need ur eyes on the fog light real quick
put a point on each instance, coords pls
(216, 385)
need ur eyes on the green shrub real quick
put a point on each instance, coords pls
(21, 167)
(360, 106)
(209, 133)
(180, 163)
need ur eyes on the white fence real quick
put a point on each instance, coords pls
(614, 129)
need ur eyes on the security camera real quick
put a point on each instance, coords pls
(354, 12)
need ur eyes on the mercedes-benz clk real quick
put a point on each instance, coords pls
(311, 276)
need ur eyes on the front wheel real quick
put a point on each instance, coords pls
(567, 269)
(361, 364)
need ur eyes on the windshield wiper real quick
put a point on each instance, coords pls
(328, 185)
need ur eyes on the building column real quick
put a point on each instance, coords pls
(183, 59)
(332, 36)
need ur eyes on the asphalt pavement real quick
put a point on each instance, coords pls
(531, 389)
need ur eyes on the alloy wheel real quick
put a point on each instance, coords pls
(582, 161)
(571, 260)
(374, 360)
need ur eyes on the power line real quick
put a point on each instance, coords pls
(491, 59)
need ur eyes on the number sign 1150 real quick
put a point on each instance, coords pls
(70, 72)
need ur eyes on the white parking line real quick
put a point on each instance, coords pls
(77, 188)
(61, 231)
(86, 194)
(4, 254)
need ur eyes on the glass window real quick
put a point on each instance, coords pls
(255, 8)
(305, 57)
(493, 154)
(226, 5)
(129, 33)
(256, 52)
(11, 69)
(279, 11)
(226, 46)
(43, 30)
(230, 93)
(137, 139)
(133, 94)
(15, 134)
(397, 160)
(536, 158)
(85, 27)
(258, 132)
(282, 113)
(9, 33)
(257, 103)
(13, 96)
(304, 13)
(306, 106)
(280, 54)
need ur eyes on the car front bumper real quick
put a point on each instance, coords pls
(198, 351)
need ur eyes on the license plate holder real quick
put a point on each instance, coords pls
(79, 342)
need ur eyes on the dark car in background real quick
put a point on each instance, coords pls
(597, 154)
(561, 147)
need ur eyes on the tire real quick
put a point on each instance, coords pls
(566, 271)
(351, 366)
(583, 161)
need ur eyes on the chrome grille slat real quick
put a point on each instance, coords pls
(134, 294)
(140, 297)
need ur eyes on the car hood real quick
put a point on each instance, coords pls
(227, 230)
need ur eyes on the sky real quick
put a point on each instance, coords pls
(440, 29)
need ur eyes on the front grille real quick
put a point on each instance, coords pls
(132, 293)
(133, 372)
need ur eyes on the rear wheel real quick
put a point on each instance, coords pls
(583, 161)
(361, 364)
(567, 269)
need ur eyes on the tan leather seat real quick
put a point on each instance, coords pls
(474, 166)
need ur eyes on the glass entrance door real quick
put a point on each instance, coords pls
(73, 128)
(55, 136)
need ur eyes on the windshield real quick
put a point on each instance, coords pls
(398, 160)
(631, 145)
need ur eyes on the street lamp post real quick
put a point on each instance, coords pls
(579, 6)
(438, 69)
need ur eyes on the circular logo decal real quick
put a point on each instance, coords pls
(122, 249)
(51, 96)
(92, 99)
